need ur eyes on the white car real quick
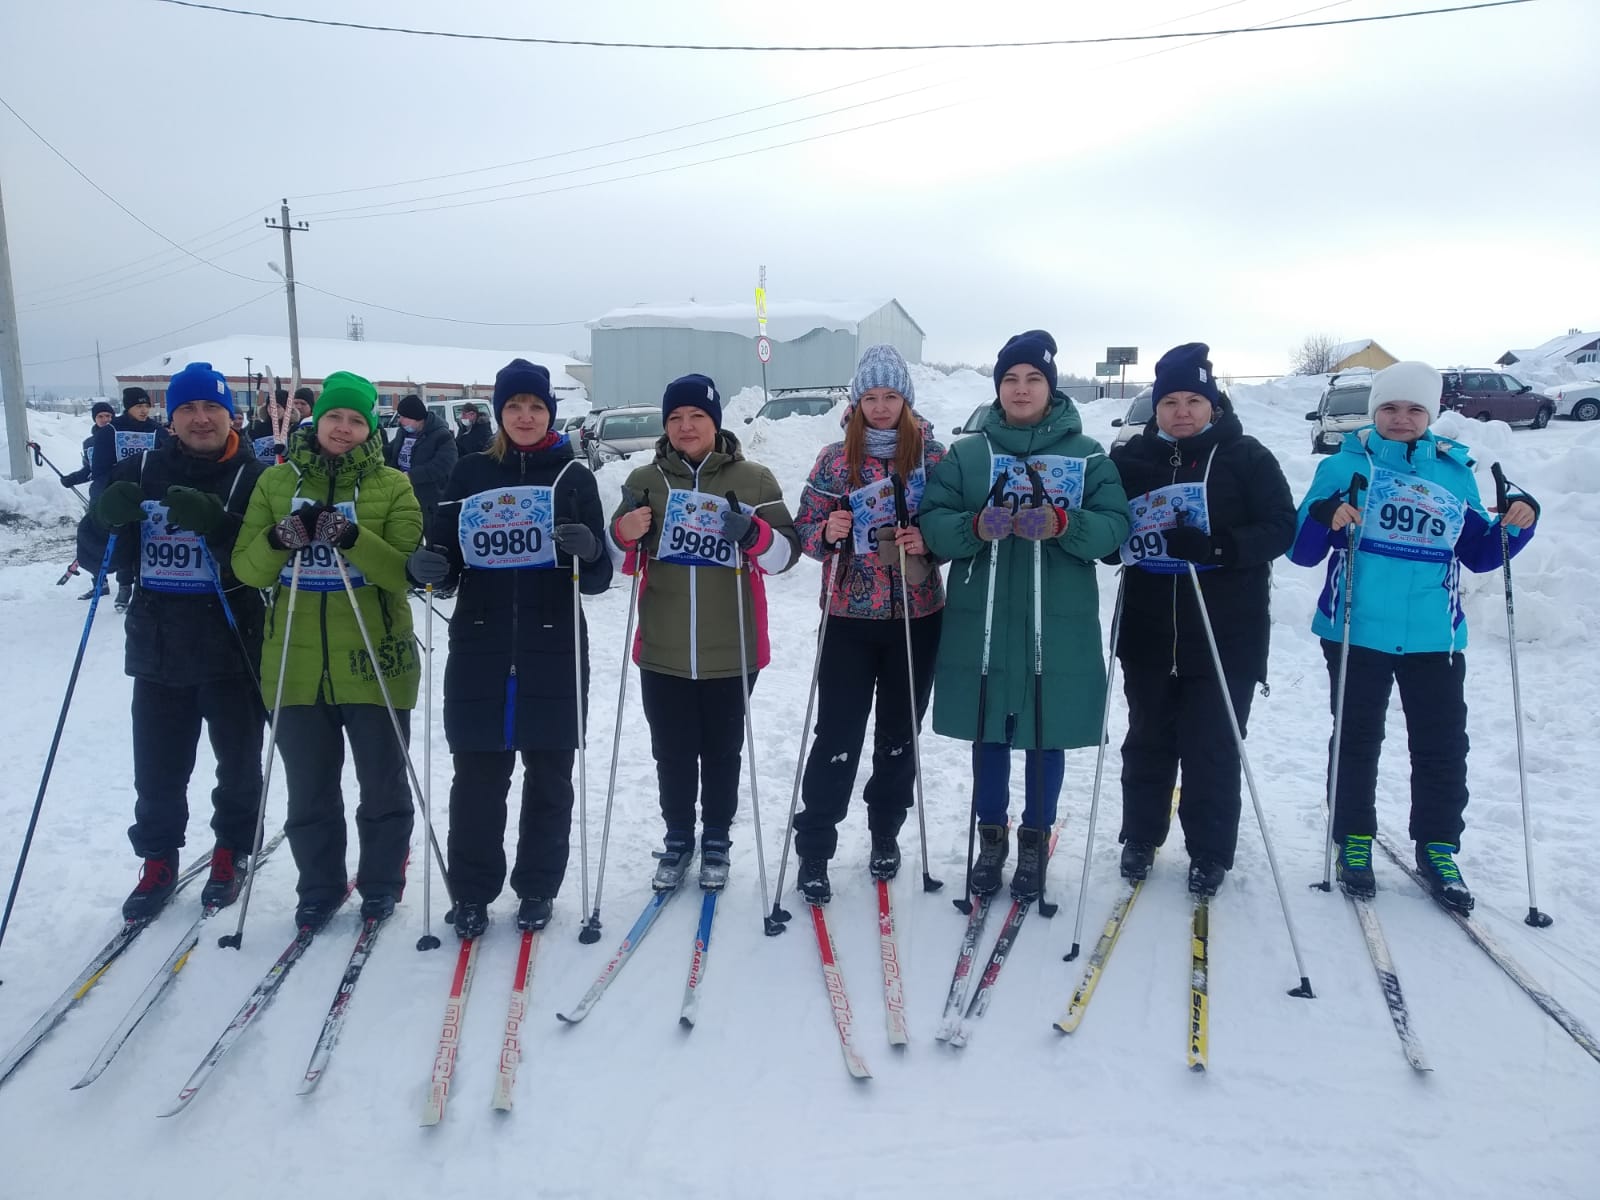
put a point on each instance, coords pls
(1342, 410)
(1580, 401)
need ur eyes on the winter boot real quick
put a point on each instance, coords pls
(1137, 859)
(993, 846)
(105, 590)
(1027, 881)
(312, 915)
(124, 597)
(534, 912)
(675, 859)
(812, 882)
(158, 879)
(1443, 877)
(471, 919)
(1355, 866)
(228, 870)
(379, 907)
(885, 860)
(714, 845)
(1206, 876)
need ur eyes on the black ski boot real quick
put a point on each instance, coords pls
(994, 846)
(1027, 881)
(228, 870)
(884, 862)
(124, 597)
(1443, 877)
(105, 590)
(534, 912)
(1206, 876)
(379, 907)
(812, 881)
(675, 859)
(1355, 867)
(714, 846)
(158, 879)
(470, 919)
(312, 915)
(1137, 859)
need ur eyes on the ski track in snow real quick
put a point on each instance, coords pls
(1304, 1098)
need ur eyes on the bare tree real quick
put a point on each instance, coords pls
(1315, 355)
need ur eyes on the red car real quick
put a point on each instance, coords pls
(1495, 396)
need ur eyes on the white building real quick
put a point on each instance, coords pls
(1575, 346)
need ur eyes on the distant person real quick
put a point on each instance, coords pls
(131, 434)
(101, 412)
(424, 451)
(475, 436)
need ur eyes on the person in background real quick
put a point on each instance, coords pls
(123, 437)
(100, 413)
(475, 435)
(424, 451)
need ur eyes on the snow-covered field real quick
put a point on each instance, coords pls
(1304, 1098)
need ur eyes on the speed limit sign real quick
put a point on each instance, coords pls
(764, 349)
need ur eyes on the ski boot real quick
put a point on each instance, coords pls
(534, 912)
(124, 597)
(379, 907)
(158, 879)
(714, 846)
(994, 846)
(470, 919)
(228, 870)
(1206, 876)
(1443, 877)
(105, 590)
(675, 858)
(312, 915)
(885, 860)
(812, 881)
(1355, 866)
(1137, 859)
(1027, 881)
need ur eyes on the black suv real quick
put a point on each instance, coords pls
(1494, 396)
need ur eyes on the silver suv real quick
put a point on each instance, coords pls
(1141, 409)
(618, 432)
(1342, 410)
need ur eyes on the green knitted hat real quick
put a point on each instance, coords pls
(345, 389)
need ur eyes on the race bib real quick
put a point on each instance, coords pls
(508, 527)
(128, 443)
(1407, 517)
(1062, 478)
(171, 559)
(319, 571)
(872, 508)
(691, 534)
(266, 450)
(1155, 512)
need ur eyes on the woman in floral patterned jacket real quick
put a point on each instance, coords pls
(847, 519)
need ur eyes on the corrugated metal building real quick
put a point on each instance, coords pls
(637, 351)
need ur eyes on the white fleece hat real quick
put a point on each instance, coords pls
(1407, 383)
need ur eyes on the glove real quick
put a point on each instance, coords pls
(197, 511)
(578, 540)
(427, 566)
(1190, 544)
(333, 527)
(1039, 524)
(994, 522)
(1322, 511)
(741, 528)
(296, 531)
(120, 504)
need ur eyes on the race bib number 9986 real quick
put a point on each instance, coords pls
(691, 533)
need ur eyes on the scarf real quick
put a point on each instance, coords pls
(882, 443)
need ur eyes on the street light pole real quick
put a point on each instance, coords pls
(289, 227)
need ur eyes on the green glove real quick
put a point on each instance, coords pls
(120, 504)
(197, 511)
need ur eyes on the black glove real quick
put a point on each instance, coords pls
(1190, 543)
(1322, 511)
(197, 511)
(335, 528)
(120, 504)
(578, 540)
(427, 566)
(743, 529)
(296, 531)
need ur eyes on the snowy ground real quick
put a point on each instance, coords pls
(1304, 1098)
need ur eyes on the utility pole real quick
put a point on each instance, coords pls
(290, 227)
(17, 436)
(99, 373)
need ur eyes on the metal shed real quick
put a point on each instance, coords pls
(638, 350)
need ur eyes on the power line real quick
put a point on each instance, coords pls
(50, 362)
(428, 317)
(141, 279)
(823, 49)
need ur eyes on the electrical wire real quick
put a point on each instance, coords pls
(300, 283)
(50, 362)
(143, 279)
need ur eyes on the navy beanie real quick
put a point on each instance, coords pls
(197, 381)
(412, 408)
(693, 391)
(1186, 368)
(132, 396)
(519, 377)
(101, 406)
(1036, 348)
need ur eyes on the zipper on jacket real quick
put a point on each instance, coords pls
(1175, 462)
(327, 671)
(694, 597)
(516, 603)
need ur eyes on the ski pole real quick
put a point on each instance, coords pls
(233, 623)
(1099, 766)
(577, 699)
(235, 939)
(429, 940)
(55, 740)
(741, 565)
(1046, 908)
(1539, 920)
(902, 520)
(1358, 482)
(39, 460)
(1303, 991)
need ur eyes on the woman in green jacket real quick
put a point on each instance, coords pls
(333, 500)
(1022, 510)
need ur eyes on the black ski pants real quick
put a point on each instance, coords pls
(1432, 693)
(696, 734)
(166, 735)
(863, 668)
(477, 843)
(311, 739)
(1177, 721)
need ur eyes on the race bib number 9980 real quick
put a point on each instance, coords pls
(508, 528)
(130, 442)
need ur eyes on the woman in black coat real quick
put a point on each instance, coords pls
(1202, 491)
(512, 521)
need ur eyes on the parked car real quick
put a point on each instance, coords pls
(1140, 411)
(801, 404)
(615, 433)
(449, 410)
(1580, 401)
(974, 422)
(1494, 396)
(567, 424)
(1341, 410)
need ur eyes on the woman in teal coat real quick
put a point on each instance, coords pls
(1022, 510)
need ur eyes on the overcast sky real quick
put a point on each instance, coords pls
(1432, 183)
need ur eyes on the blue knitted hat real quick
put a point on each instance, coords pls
(694, 391)
(519, 377)
(1187, 368)
(1035, 348)
(198, 381)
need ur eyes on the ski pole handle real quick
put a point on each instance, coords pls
(902, 515)
(1037, 484)
(1358, 484)
(38, 454)
(1501, 497)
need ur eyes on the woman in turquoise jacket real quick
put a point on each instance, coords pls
(1413, 503)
